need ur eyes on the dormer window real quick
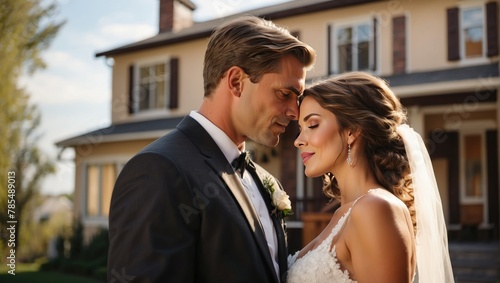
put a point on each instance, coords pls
(153, 86)
(152, 92)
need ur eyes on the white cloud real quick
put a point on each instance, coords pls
(59, 86)
(62, 2)
(64, 61)
(97, 42)
(129, 32)
(115, 34)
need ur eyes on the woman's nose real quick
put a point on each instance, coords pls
(299, 141)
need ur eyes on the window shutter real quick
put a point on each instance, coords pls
(399, 44)
(492, 173)
(453, 34)
(374, 67)
(492, 28)
(131, 89)
(330, 50)
(174, 83)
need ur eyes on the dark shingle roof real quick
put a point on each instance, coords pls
(142, 129)
(454, 74)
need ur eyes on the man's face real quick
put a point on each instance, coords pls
(268, 106)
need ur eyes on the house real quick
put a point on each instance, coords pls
(57, 213)
(440, 57)
(53, 205)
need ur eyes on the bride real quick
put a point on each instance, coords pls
(390, 225)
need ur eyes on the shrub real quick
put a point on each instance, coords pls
(88, 260)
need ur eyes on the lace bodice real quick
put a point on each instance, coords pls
(319, 264)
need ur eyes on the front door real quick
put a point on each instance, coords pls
(466, 163)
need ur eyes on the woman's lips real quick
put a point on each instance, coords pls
(306, 155)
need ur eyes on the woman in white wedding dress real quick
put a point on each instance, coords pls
(390, 222)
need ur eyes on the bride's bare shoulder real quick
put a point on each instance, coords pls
(378, 208)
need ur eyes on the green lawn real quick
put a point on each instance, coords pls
(29, 273)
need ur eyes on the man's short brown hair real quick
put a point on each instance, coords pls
(255, 45)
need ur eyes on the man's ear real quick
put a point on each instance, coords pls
(235, 76)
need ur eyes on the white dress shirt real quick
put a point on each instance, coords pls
(231, 151)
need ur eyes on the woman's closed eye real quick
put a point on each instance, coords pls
(309, 127)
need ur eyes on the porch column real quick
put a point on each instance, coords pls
(416, 119)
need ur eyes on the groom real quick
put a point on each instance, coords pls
(180, 212)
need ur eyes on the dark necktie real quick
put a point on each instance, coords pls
(239, 164)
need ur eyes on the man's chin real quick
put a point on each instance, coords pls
(270, 141)
(274, 142)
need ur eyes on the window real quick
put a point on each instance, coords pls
(100, 182)
(152, 92)
(153, 86)
(354, 48)
(473, 164)
(473, 32)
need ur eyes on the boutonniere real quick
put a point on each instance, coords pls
(279, 198)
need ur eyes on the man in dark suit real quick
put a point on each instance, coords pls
(180, 212)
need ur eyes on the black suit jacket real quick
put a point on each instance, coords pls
(179, 213)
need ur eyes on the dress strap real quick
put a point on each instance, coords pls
(356, 200)
(347, 214)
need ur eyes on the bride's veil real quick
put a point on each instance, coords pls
(433, 260)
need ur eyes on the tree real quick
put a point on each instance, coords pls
(25, 31)
(29, 165)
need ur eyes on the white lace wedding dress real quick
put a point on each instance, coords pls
(319, 264)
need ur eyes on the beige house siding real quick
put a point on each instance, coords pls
(190, 56)
(427, 35)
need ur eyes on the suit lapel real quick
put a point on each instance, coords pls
(244, 201)
(216, 160)
(236, 187)
(278, 221)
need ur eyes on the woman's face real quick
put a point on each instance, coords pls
(321, 145)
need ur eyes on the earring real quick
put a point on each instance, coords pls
(349, 158)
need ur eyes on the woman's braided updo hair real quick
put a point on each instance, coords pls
(363, 102)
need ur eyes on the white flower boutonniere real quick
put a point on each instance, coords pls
(279, 198)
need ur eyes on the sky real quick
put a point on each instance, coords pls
(73, 93)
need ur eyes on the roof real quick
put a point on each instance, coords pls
(188, 4)
(149, 129)
(204, 29)
(453, 74)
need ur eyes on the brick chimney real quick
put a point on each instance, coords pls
(175, 15)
